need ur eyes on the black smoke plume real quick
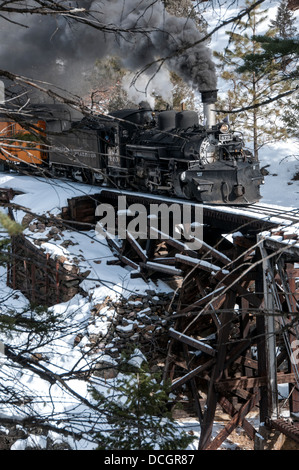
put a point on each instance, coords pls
(60, 49)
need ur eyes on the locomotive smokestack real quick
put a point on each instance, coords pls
(209, 99)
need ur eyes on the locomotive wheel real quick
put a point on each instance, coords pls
(187, 191)
(224, 191)
(178, 186)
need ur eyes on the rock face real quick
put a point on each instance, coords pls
(49, 277)
(137, 321)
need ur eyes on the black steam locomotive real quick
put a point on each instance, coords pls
(167, 153)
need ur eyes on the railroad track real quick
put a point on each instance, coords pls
(257, 216)
(283, 213)
(254, 217)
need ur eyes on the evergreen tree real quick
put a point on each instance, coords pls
(290, 117)
(250, 87)
(288, 49)
(10, 226)
(284, 21)
(276, 54)
(280, 51)
(280, 54)
(105, 80)
(185, 8)
(138, 418)
(182, 95)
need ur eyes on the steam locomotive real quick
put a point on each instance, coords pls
(166, 153)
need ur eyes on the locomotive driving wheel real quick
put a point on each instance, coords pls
(187, 191)
(182, 189)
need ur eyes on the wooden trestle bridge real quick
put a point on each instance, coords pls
(235, 313)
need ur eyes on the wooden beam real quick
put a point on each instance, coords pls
(112, 241)
(235, 353)
(128, 261)
(252, 382)
(288, 276)
(230, 409)
(162, 268)
(211, 403)
(204, 300)
(230, 280)
(193, 387)
(234, 422)
(177, 244)
(200, 345)
(170, 260)
(199, 263)
(182, 380)
(270, 303)
(247, 362)
(136, 247)
(214, 253)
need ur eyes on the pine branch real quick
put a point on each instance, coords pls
(34, 422)
(258, 105)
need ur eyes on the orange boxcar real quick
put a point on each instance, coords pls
(19, 145)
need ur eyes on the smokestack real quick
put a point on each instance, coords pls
(209, 99)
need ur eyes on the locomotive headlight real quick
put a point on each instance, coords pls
(224, 128)
(183, 176)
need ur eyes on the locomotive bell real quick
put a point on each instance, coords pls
(209, 98)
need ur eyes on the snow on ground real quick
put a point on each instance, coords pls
(283, 160)
(47, 197)
(43, 195)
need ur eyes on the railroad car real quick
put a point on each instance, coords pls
(19, 145)
(167, 153)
